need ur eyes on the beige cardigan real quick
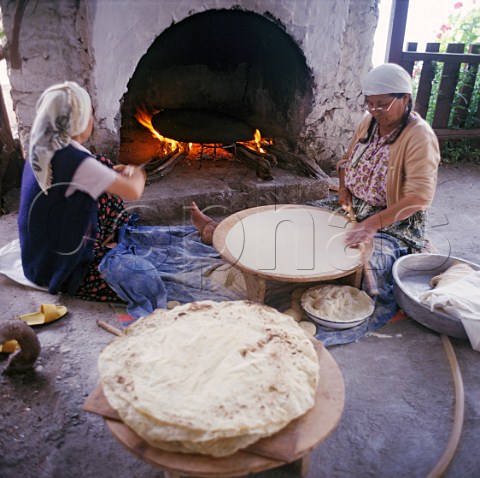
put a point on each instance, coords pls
(414, 160)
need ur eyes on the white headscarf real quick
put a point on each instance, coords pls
(385, 79)
(63, 111)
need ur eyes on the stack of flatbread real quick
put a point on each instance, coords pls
(337, 303)
(210, 377)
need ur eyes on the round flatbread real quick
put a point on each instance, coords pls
(210, 377)
(308, 327)
(337, 303)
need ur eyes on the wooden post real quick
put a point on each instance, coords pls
(8, 153)
(6, 137)
(427, 75)
(256, 287)
(409, 65)
(447, 88)
(396, 34)
(465, 91)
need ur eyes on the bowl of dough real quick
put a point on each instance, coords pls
(337, 306)
(416, 275)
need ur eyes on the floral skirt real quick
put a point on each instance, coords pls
(111, 217)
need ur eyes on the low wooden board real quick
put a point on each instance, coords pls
(311, 232)
(286, 446)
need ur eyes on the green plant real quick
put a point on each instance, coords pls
(462, 26)
(460, 150)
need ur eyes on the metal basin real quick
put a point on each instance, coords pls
(412, 275)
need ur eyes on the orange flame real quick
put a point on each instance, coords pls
(169, 145)
(258, 140)
(145, 119)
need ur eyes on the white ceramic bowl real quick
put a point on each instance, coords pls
(350, 317)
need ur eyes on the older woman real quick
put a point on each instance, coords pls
(71, 201)
(387, 179)
(389, 171)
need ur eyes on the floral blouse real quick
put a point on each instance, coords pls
(366, 170)
(366, 177)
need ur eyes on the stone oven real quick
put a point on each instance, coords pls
(209, 72)
(216, 77)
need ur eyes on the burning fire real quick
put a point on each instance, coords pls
(170, 145)
(258, 141)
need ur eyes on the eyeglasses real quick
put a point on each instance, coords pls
(380, 109)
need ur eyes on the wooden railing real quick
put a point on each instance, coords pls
(454, 97)
(453, 60)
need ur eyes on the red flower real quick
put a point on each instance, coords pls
(439, 35)
(458, 5)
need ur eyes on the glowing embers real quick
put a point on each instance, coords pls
(198, 126)
(197, 139)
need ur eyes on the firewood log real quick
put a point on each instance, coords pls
(162, 170)
(295, 162)
(252, 160)
(156, 163)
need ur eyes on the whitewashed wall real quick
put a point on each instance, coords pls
(98, 43)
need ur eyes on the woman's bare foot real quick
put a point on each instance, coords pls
(204, 224)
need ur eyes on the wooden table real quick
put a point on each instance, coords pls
(289, 243)
(290, 445)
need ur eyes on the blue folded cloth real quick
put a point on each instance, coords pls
(155, 264)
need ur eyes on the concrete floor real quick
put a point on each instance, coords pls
(399, 388)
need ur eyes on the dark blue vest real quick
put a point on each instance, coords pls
(57, 233)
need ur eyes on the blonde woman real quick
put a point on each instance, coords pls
(71, 201)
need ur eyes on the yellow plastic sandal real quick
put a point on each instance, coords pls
(47, 313)
(9, 346)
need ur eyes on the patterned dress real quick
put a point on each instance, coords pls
(366, 177)
(111, 217)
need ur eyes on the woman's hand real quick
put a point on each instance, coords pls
(399, 211)
(344, 198)
(121, 168)
(127, 170)
(130, 182)
(361, 232)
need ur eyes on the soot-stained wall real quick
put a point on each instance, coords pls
(99, 44)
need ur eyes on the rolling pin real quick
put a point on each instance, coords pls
(370, 280)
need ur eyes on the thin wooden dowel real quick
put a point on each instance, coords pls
(109, 328)
(459, 412)
(370, 280)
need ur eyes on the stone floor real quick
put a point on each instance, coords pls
(399, 389)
